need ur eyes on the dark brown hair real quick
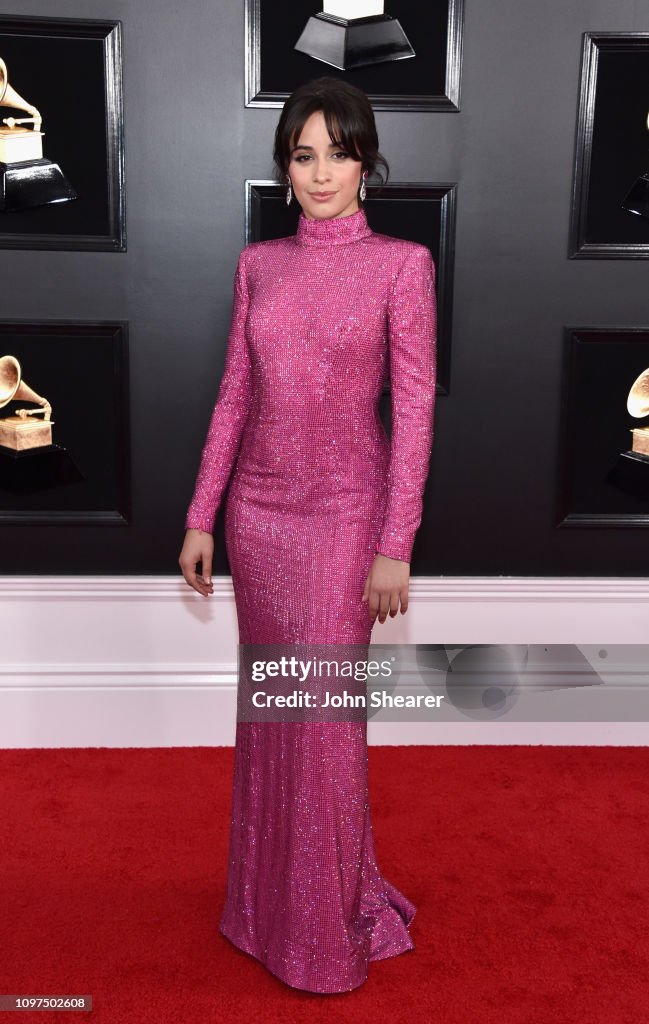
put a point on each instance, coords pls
(348, 116)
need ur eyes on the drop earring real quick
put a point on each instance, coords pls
(363, 191)
(289, 191)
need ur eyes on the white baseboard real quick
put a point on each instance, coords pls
(144, 661)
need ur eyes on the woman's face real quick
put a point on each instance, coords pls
(317, 165)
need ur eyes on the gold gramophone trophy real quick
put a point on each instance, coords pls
(637, 405)
(354, 34)
(630, 472)
(637, 198)
(26, 178)
(31, 465)
(22, 430)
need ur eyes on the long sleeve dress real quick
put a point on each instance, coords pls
(319, 318)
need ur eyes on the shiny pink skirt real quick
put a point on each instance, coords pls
(305, 895)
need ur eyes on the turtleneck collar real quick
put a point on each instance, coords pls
(332, 230)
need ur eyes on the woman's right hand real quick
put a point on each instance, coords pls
(198, 547)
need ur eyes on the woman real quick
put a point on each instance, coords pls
(320, 522)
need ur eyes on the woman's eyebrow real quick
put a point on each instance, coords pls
(311, 147)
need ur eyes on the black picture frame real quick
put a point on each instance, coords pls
(428, 81)
(599, 484)
(422, 212)
(71, 69)
(84, 476)
(612, 147)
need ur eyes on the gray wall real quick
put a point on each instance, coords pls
(511, 151)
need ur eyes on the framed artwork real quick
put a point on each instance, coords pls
(64, 432)
(417, 211)
(61, 134)
(604, 437)
(404, 55)
(610, 195)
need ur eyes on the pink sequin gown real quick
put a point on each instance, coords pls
(317, 488)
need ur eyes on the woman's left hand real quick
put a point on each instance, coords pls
(386, 587)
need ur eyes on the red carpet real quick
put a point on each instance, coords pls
(529, 867)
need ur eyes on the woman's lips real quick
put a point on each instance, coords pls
(322, 197)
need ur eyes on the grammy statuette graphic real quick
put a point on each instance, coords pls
(30, 462)
(638, 405)
(637, 199)
(630, 472)
(349, 34)
(22, 430)
(27, 178)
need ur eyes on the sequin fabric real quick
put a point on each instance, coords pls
(315, 489)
